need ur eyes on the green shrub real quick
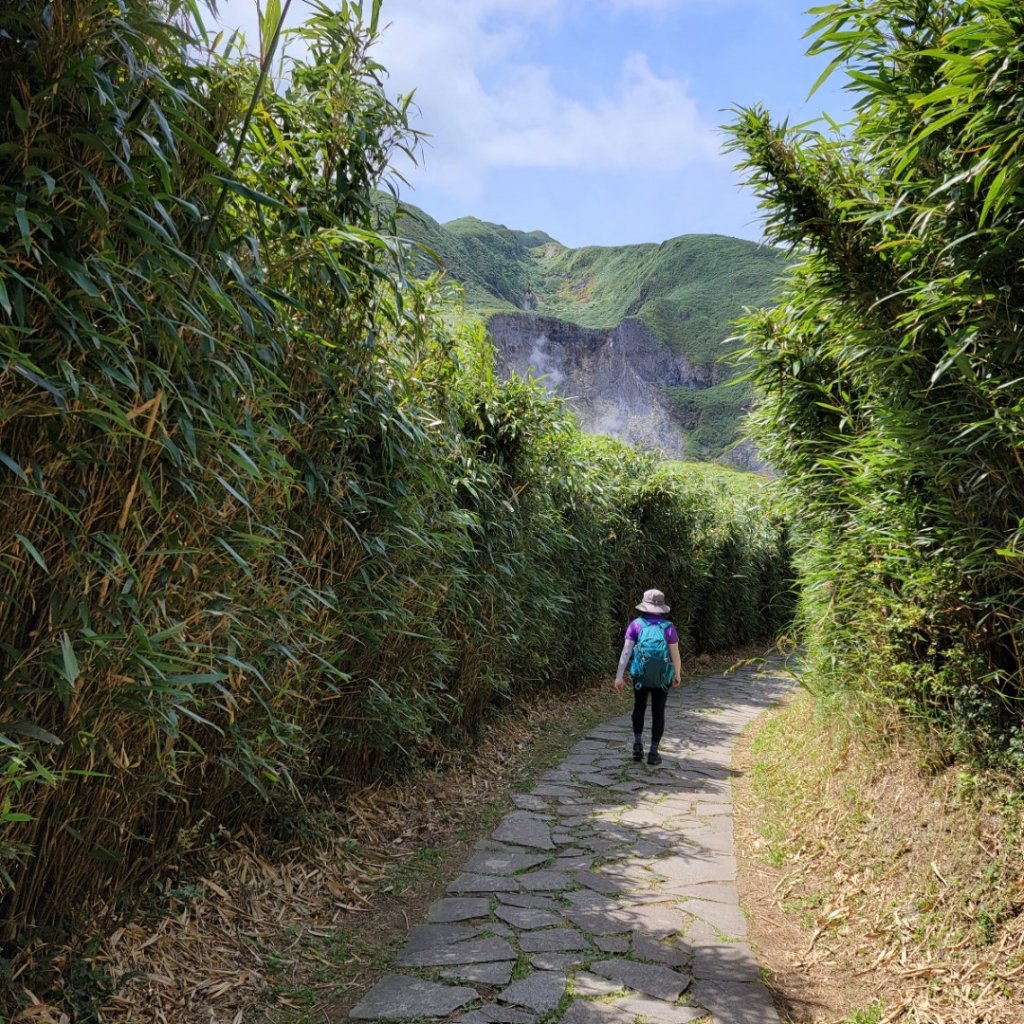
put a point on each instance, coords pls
(890, 372)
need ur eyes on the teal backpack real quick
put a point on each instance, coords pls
(651, 665)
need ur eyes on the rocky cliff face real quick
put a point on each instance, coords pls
(612, 378)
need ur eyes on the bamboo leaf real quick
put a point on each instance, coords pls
(250, 193)
(33, 552)
(71, 669)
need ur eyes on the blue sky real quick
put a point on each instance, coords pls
(594, 120)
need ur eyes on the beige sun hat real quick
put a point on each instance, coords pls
(654, 602)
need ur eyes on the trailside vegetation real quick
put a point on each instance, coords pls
(267, 527)
(891, 371)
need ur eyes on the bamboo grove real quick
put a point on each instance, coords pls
(269, 525)
(892, 369)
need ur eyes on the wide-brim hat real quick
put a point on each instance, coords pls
(654, 601)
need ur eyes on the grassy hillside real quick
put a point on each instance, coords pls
(687, 290)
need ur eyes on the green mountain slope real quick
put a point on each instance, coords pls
(687, 291)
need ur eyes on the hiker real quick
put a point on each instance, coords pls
(652, 652)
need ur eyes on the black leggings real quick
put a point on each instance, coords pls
(658, 698)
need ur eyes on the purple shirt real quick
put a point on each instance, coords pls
(633, 629)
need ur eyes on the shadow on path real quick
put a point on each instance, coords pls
(609, 894)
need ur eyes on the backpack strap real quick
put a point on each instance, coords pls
(662, 624)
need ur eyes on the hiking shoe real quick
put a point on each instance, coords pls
(654, 757)
(638, 751)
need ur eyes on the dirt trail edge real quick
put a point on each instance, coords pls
(609, 894)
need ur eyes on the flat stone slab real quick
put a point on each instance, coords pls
(595, 779)
(586, 984)
(554, 789)
(659, 1012)
(734, 1002)
(612, 943)
(552, 940)
(485, 974)
(470, 882)
(527, 899)
(726, 918)
(658, 919)
(577, 862)
(717, 959)
(446, 911)
(397, 997)
(502, 862)
(697, 869)
(546, 881)
(541, 991)
(716, 892)
(528, 918)
(600, 882)
(427, 936)
(654, 980)
(671, 954)
(474, 951)
(596, 922)
(559, 961)
(529, 802)
(525, 829)
(583, 1011)
(494, 1014)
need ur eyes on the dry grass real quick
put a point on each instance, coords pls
(877, 880)
(282, 938)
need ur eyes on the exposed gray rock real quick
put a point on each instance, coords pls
(612, 378)
(397, 997)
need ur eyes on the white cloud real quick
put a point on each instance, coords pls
(485, 106)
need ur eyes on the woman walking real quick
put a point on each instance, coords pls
(651, 651)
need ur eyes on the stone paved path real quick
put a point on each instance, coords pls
(609, 894)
